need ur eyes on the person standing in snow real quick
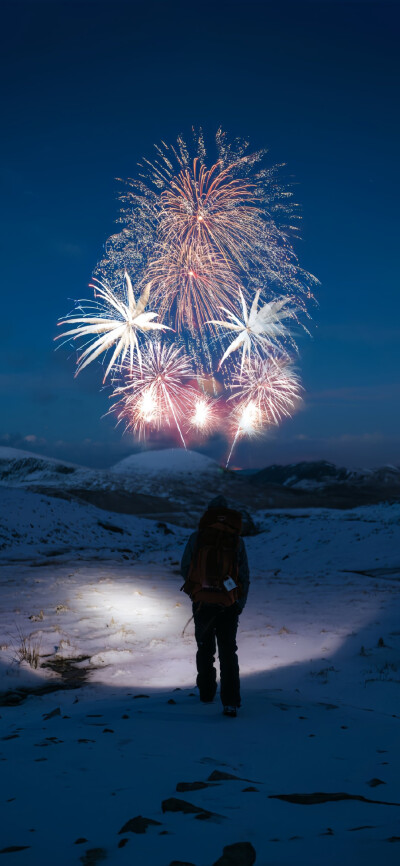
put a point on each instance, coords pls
(215, 568)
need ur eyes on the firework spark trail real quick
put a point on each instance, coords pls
(248, 423)
(156, 390)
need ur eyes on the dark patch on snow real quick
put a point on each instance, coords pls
(221, 776)
(110, 527)
(71, 677)
(180, 863)
(192, 786)
(363, 827)
(165, 528)
(172, 804)
(321, 797)
(56, 712)
(138, 825)
(93, 856)
(238, 854)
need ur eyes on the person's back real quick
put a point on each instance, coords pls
(214, 566)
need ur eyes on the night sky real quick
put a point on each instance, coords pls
(88, 88)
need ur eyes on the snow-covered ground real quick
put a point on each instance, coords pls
(112, 724)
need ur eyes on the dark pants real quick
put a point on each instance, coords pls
(213, 622)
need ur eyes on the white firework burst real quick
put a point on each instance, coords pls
(204, 415)
(266, 391)
(259, 329)
(111, 322)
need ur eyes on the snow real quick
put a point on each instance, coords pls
(174, 461)
(37, 527)
(319, 651)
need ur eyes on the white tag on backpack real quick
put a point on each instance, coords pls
(229, 584)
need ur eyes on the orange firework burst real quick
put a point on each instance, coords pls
(233, 209)
(210, 210)
(188, 283)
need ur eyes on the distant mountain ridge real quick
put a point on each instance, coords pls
(180, 483)
(315, 473)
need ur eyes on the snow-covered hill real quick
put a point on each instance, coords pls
(170, 461)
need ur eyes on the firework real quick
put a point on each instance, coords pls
(189, 283)
(116, 321)
(237, 210)
(210, 209)
(247, 421)
(260, 328)
(204, 416)
(272, 384)
(265, 391)
(158, 393)
(205, 241)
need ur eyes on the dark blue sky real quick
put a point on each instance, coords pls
(89, 87)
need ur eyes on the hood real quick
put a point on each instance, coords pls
(218, 502)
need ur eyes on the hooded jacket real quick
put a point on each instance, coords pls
(244, 577)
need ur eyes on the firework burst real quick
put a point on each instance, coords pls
(272, 384)
(109, 322)
(210, 209)
(266, 390)
(189, 283)
(204, 415)
(209, 245)
(259, 329)
(237, 210)
(158, 392)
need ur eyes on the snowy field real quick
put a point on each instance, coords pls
(108, 727)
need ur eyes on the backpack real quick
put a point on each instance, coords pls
(213, 576)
